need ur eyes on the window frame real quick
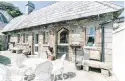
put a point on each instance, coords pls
(23, 38)
(66, 40)
(58, 36)
(26, 37)
(18, 38)
(45, 37)
(88, 35)
(24, 41)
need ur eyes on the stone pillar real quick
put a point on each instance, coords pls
(83, 35)
(70, 55)
(98, 36)
(30, 41)
(53, 41)
(40, 47)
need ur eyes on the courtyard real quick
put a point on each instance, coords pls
(70, 71)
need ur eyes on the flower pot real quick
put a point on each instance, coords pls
(50, 57)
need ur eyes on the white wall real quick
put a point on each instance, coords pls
(108, 42)
(119, 53)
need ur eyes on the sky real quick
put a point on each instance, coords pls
(40, 4)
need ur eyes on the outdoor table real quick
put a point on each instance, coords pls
(33, 63)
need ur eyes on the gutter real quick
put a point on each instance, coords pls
(102, 45)
(103, 36)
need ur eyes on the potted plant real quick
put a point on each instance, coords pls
(50, 57)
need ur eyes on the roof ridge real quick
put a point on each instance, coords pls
(107, 4)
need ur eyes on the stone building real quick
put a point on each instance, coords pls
(64, 26)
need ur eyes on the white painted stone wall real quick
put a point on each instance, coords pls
(119, 53)
(108, 42)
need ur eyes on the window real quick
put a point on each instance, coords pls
(45, 37)
(24, 38)
(36, 49)
(18, 38)
(64, 36)
(36, 38)
(9, 38)
(90, 36)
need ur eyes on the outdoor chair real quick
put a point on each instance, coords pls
(5, 74)
(18, 65)
(42, 72)
(22, 77)
(59, 68)
(20, 59)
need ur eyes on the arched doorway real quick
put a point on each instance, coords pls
(63, 42)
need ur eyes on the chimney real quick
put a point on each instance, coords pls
(29, 7)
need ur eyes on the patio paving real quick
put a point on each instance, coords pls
(70, 72)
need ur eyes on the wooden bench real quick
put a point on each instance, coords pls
(94, 62)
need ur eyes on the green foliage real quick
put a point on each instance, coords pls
(10, 8)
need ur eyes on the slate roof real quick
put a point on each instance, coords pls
(61, 11)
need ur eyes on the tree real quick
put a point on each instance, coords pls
(10, 8)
